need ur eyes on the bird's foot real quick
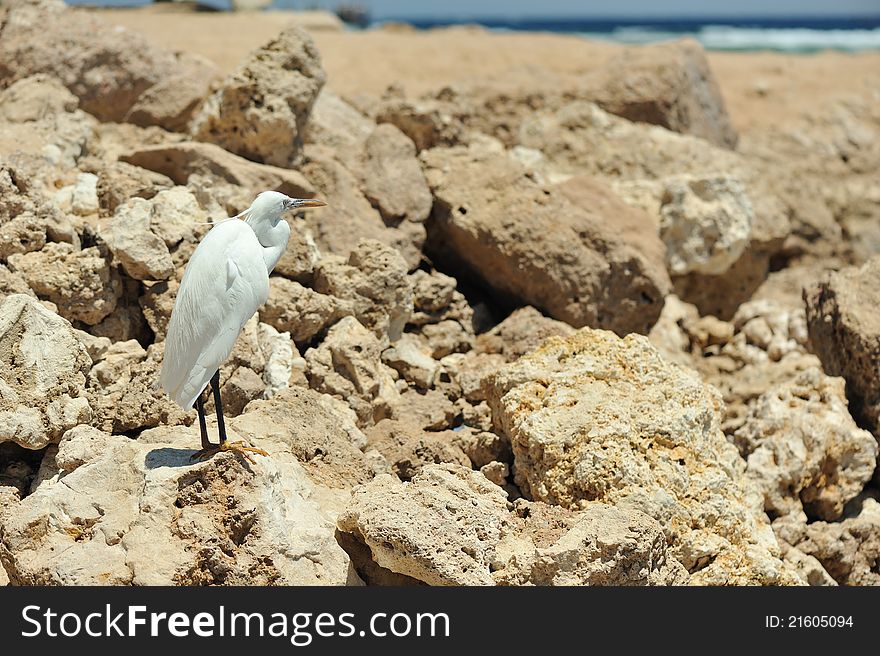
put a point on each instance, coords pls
(240, 448)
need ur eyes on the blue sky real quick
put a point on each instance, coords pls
(608, 8)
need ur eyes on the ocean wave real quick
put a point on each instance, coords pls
(723, 37)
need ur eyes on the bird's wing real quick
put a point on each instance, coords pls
(224, 284)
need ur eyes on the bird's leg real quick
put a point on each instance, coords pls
(218, 405)
(238, 447)
(203, 427)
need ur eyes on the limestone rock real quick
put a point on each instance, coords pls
(44, 367)
(349, 216)
(108, 75)
(172, 101)
(427, 122)
(80, 282)
(430, 411)
(844, 328)
(124, 390)
(348, 365)
(374, 280)
(593, 417)
(139, 512)
(413, 362)
(848, 550)
(705, 223)
(576, 252)
(669, 85)
(141, 252)
(319, 431)
(451, 526)
(260, 111)
(119, 182)
(336, 124)
(408, 448)
(157, 303)
(522, 331)
(299, 310)
(180, 160)
(804, 450)
(42, 120)
(393, 178)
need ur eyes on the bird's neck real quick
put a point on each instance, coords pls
(273, 239)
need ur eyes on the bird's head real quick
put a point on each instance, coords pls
(270, 205)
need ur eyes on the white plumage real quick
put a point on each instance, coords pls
(224, 284)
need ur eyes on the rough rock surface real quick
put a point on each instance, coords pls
(803, 450)
(141, 252)
(565, 250)
(594, 417)
(180, 160)
(260, 111)
(524, 330)
(706, 224)
(407, 448)
(124, 390)
(848, 550)
(451, 526)
(373, 279)
(670, 85)
(348, 365)
(43, 376)
(393, 178)
(845, 333)
(299, 310)
(108, 75)
(123, 511)
(349, 216)
(80, 282)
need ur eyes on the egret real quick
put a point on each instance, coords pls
(224, 284)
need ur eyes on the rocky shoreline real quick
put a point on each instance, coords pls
(566, 325)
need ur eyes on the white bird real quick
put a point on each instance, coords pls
(224, 284)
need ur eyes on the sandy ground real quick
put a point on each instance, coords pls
(761, 89)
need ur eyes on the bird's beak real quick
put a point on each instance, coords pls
(299, 203)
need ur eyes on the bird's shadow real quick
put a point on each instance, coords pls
(169, 457)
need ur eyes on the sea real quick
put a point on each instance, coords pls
(779, 34)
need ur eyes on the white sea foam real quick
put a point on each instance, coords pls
(722, 37)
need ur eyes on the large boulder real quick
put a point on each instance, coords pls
(140, 512)
(43, 376)
(670, 85)
(260, 111)
(844, 324)
(452, 526)
(107, 67)
(574, 250)
(593, 417)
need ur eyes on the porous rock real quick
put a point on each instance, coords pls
(451, 526)
(802, 448)
(260, 111)
(593, 417)
(844, 328)
(44, 368)
(140, 512)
